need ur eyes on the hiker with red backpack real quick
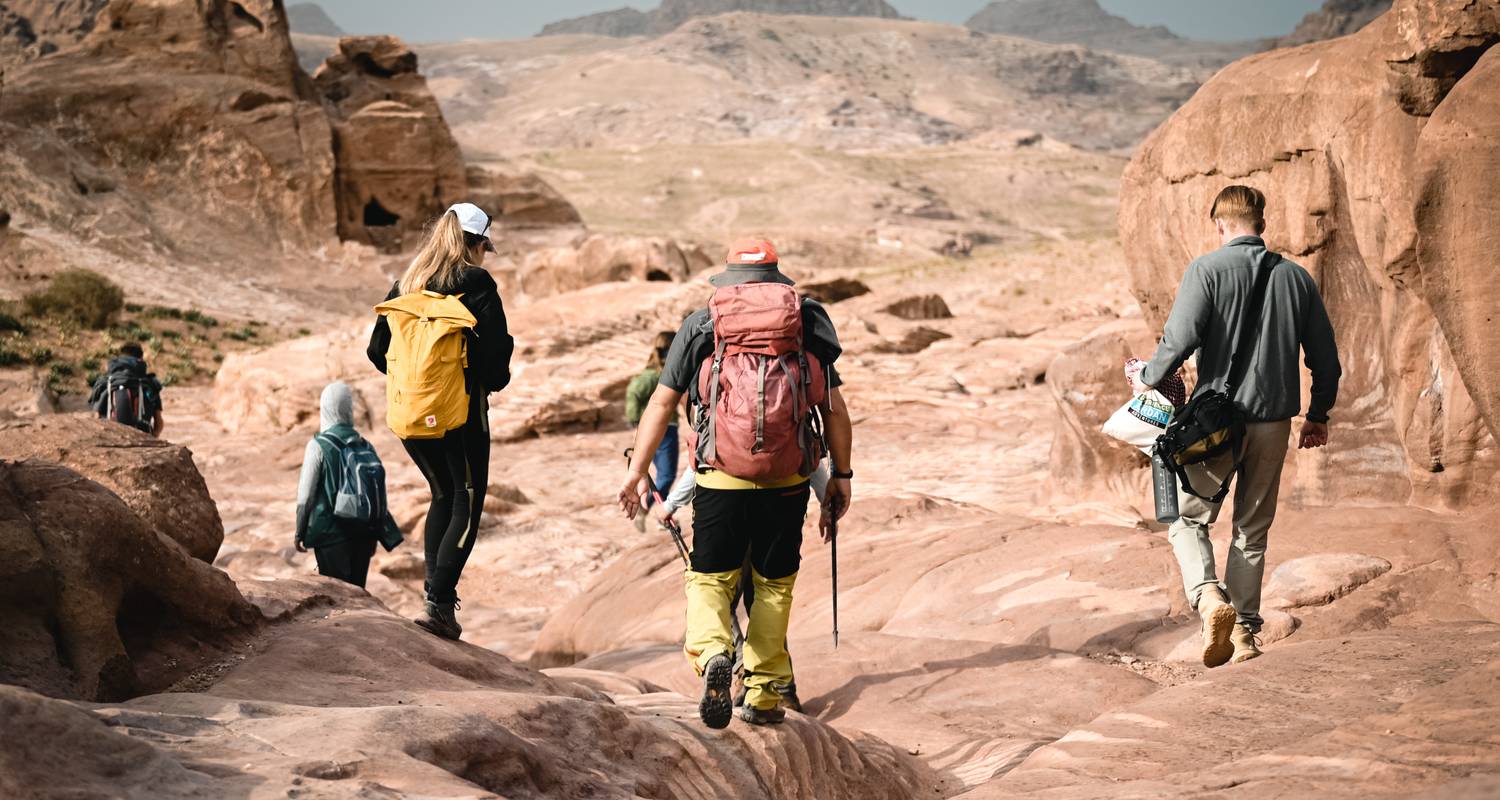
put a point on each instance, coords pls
(128, 392)
(442, 342)
(341, 508)
(758, 368)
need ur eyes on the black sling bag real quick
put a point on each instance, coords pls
(1212, 422)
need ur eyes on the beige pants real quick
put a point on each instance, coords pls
(1255, 490)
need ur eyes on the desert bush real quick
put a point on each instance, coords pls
(9, 357)
(10, 319)
(81, 295)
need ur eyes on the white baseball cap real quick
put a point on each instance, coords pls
(473, 220)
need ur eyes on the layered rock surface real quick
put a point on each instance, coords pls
(1085, 22)
(1382, 213)
(672, 13)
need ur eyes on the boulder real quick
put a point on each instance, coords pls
(519, 199)
(920, 307)
(603, 258)
(1320, 579)
(399, 165)
(276, 390)
(1087, 382)
(155, 478)
(1339, 149)
(95, 604)
(833, 291)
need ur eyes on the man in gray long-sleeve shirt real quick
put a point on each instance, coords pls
(1207, 317)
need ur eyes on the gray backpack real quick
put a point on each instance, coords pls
(361, 480)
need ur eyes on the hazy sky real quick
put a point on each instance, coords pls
(437, 20)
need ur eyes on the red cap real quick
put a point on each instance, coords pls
(751, 252)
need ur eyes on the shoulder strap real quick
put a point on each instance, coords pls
(1240, 360)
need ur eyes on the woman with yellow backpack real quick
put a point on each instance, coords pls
(442, 343)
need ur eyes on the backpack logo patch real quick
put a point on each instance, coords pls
(431, 421)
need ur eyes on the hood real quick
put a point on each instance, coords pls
(336, 407)
(129, 364)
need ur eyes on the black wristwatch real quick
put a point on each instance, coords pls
(843, 476)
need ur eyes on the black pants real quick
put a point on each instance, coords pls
(348, 561)
(457, 469)
(766, 524)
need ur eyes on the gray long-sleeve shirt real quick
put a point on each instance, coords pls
(1206, 317)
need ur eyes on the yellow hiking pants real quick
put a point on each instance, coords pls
(710, 599)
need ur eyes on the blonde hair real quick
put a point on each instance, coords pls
(444, 254)
(1241, 204)
(659, 346)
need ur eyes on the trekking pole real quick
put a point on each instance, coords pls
(669, 524)
(833, 542)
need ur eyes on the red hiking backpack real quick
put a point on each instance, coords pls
(760, 393)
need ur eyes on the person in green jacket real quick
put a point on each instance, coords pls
(342, 551)
(637, 395)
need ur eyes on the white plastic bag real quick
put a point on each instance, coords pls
(1141, 420)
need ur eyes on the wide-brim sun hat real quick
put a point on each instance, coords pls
(751, 261)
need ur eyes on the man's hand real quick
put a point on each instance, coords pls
(1314, 434)
(301, 545)
(835, 505)
(631, 494)
(1133, 370)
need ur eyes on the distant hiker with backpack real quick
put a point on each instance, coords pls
(128, 392)
(341, 508)
(758, 368)
(1247, 312)
(637, 396)
(442, 342)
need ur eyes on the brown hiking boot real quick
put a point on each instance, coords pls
(763, 716)
(716, 707)
(1218, 623)
(1244, 644)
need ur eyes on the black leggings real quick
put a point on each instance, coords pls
(457, 469)
(348, 561)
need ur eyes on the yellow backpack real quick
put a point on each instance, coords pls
(425, 392)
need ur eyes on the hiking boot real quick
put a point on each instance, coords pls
(1218, 623)
(1245, 647)
(789, 698)
(762, 716)
(717, 706)
(440, 621)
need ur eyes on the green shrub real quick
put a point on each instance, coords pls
(9, 357)
(170, 334)
(39, 355)
(86, 297)
(242, 335)
(9, 321)
(199, 318)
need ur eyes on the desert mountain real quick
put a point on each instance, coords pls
(1336, 18)
(311, 19)
(672, 13)
(836, 83)
(1085, 22)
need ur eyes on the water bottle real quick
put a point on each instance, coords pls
(1164, 487)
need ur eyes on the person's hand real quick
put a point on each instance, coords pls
(632, 492)
(301, 545)
(1314, 434)
(835, 505)
(662, 513)
(1133, 370)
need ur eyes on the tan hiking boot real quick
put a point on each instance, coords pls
(1218, 623)
(1244, 644)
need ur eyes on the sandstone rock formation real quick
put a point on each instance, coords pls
(346, 699)
(672, 13)
(154, 477)
(165, 121)
(603, 258)
(1382, 213)
(96, 605)
(1085, 22)
(1336, 18)
(398, 164)
(519, 199)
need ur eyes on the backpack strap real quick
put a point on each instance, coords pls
(709, 447)
(1239, 362)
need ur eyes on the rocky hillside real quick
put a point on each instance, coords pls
(1336, 18)
(1085, 22)
(836, 83)
(1378, 155)
(672, 13)
(311, 19)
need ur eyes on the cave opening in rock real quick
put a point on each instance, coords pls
(378, 216)
(657, 275)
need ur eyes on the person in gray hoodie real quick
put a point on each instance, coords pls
(1207, 318)
(343, 551)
